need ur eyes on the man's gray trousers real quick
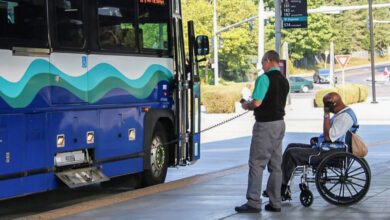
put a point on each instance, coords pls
(266, 149)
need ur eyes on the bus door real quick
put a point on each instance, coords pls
(181, 92)
(193, 94)
(69, 59)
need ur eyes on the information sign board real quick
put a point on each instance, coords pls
(294, 13)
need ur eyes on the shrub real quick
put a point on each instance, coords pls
(353, 94)
(222, 98)
(218, 102)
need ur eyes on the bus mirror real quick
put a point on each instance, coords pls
(202, 45)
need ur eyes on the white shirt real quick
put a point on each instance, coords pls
(342, 122)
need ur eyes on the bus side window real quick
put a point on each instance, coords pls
(153, 21)
(69, 23)
(116, 21)
(3, 21)
(23, 23)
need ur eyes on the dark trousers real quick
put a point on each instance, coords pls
(299, 155)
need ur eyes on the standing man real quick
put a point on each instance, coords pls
(269, 100)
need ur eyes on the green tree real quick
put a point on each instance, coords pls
(240, 44)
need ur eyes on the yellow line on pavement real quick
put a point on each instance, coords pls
(86, 206)
(378, 143)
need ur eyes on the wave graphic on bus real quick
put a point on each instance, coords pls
(89, 87)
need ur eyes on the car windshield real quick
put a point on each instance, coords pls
(323, 71)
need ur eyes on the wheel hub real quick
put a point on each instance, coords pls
(160, 156)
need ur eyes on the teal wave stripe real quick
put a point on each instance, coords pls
(90, 87)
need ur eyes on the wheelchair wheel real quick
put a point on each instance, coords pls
(342, 178)
(306, 198)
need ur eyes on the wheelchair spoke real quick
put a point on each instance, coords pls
(350, 165)
(335, 171)
(333, 186)
(341, 187)
(357, 178)
(355, 184)
(355, 170)
(346, 185)
(356, 174)
(353, 187)
(333, 177)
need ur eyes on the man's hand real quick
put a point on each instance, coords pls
(251, 105)
(244, 105)
(313, 140)
(326, 110)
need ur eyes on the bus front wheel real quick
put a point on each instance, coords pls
(156, 157)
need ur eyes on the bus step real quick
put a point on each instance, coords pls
(81, 177)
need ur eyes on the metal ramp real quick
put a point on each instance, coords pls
(81, 177)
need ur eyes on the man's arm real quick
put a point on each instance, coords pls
(326, 126)
(261, 88)
(251, 105)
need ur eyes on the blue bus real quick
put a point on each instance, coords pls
(95, 90)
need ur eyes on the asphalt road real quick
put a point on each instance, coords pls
(354, 76)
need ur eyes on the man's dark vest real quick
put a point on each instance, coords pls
(272, 107)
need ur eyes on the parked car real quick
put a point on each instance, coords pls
(299, 84)
(322, 76)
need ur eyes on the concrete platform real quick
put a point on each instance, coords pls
(211, 188)
(216, 198)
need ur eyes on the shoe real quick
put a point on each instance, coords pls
(265, 194)
(247, 209)
(269, 208)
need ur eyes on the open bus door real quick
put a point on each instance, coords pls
(187, 97)
(197, 46)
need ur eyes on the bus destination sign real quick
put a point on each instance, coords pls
(156, 2)
(294, 13)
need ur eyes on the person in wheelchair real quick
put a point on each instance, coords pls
(334, 131)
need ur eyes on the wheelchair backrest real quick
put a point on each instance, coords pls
(353, 129)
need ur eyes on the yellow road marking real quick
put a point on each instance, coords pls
(135, 194)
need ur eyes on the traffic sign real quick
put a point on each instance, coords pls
(343, 60)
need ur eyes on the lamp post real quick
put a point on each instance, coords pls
(216, 78)
(371, 22)
(278, 27)
(260, 52)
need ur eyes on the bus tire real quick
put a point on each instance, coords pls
(157, 157)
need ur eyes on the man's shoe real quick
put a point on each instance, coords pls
(247, 209)
(269, 208)
(265, 194)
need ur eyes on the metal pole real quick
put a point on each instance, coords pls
(326, 57)
(260, 52)
(332, 64)
(372, 51)
(388, 52)
(216, 78)
(285, 57)
(278, 27)
(342, 74)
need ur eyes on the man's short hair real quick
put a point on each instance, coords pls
(272, 56)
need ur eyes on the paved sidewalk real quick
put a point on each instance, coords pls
(216, 197)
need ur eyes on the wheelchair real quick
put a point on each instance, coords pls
(341, 178)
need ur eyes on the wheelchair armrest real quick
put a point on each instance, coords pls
(327, 145)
